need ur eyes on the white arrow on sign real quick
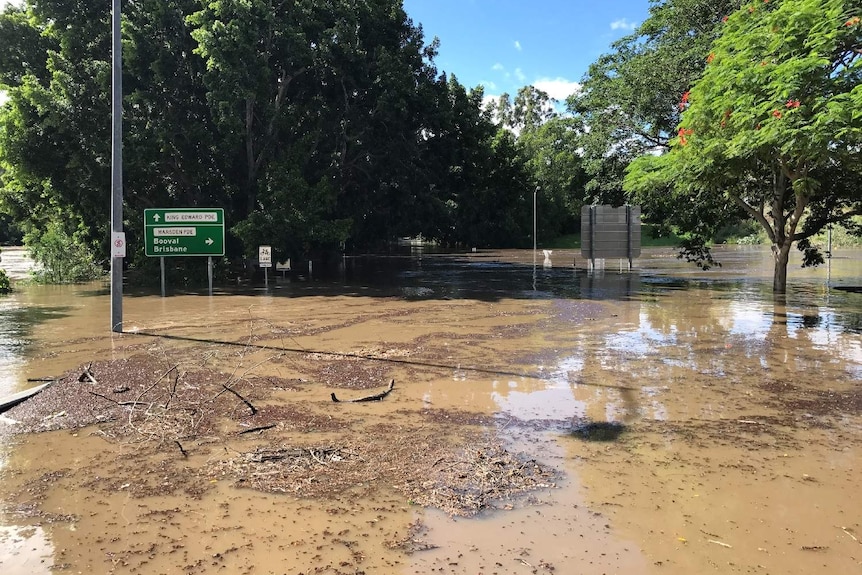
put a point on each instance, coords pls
(156, 218)
(209, 241)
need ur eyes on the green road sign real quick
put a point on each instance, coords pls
(184, 232)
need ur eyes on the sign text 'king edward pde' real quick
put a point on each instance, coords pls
(184, 232)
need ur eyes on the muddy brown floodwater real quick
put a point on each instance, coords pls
(551, 420)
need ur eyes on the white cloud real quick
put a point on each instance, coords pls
(518, 46)
(557, 88)
(623, 24)
(489, 99)
(519, 74)
(498, 67)
(488, 85)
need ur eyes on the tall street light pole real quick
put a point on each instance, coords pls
(116, 168)
(535, 220)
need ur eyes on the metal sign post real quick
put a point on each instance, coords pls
(264, 259)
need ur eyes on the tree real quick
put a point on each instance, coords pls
(630, 96)
(552, 155)
(479, 177)
(54, 130)
(531, 108)
(322, 103)
(773, 128)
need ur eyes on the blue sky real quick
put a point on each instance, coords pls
(507, 44)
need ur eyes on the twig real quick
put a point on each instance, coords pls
(103, 397)
(143, 393)
(375, 397)
(253, 429)
(173, 390)
(183, 451)
(720, 543)
(311, 452)
(748, 421)
(115, 402)
(87, 375)
(244, 400)
(853, 537)
(41, 379)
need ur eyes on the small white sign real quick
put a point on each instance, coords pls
(184, 231)
(264, 256)
(118, 244)
(190, 217)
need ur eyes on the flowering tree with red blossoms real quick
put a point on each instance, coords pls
(773, 128)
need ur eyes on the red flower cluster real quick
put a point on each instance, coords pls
(792, 103)
(683, 135)
(684, 100)
(724, 19)
(710, 58)
(776, 113)
(853, 21)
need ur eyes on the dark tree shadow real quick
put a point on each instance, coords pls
(599, 430)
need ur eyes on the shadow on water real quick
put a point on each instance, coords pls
(443, 276)
(599, 431)
(418, 275)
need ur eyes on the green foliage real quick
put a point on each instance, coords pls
(630, 96)
(62, 257)
(745, 232)
(10, 233)
(317, 124)
(551, 153)
(773, 128)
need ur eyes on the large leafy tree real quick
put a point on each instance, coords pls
(630, 96)
(773, 128)
(323, 104)
(552, 154)
(54, 137)
(482, 182)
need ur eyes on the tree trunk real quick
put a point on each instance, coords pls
(779, 278)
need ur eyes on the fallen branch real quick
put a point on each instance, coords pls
(183, 451)
(173, 390)
(375, 397)
(253, 429)
(42, 379)
(244, 400)
(87, 375)
(121, 403)
(317, 459)
(720, 543)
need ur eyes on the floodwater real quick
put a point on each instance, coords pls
(698, 425)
